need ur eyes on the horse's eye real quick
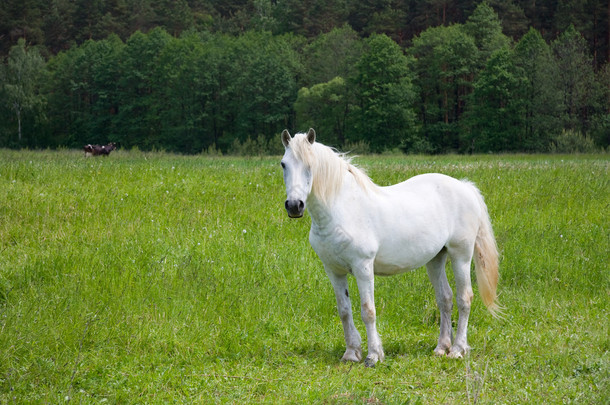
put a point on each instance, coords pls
(283, 165)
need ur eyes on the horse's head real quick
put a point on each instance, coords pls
(297, 170)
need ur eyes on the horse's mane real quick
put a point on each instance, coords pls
(328, 167)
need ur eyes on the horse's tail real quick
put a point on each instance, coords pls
(486, 261)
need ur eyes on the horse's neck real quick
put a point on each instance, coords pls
(319, 212)
(326, 214)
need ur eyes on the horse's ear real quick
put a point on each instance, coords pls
(286, 138)
(311, 136)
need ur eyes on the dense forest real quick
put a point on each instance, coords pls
(421, 76)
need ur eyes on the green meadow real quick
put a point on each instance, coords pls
(157, 278)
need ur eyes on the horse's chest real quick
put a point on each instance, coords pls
(336, 246)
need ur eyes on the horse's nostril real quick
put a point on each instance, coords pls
(295, 208)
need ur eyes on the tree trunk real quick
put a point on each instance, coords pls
(19, 123)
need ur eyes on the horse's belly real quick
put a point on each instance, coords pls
(388, 269)
(395, 257)
(397, 264)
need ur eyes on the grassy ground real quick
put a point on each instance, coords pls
(151, 278)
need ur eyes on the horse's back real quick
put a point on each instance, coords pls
(429, 192)
(435, 188)
(430, 180)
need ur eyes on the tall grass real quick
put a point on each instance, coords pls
(153, 278)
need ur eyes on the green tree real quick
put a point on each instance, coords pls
(391, 17)
(591, 19)
(485, 28)
(390, 20)
(57, 33)
(140, 90)
(217, 65)
(263, 18)
(514, 21)
(83, 93)
(540, 93)
(261, 85)
(325, 107)
(383, 115)
(20, 19)
(600, 131)
(309, 17)
(332, 54)
(24, 72)
(445, 66)
(174, 16)
(576, 80)
(495, 113)
(179, 68)
(87, 18)
(63, 97)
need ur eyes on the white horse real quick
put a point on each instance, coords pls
(365, 230)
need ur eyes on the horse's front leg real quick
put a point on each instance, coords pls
(353, 341)
(366, 287)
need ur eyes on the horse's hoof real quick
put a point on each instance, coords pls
(458, 352)
(455, 355)
(370, 361)
(352, 355)
(373, 358)
(440, 352)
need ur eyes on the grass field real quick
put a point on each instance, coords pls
(153, 278)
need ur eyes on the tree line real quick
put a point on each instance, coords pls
(461, 87)
(59, 24)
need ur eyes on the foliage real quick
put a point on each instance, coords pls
(325, 107)
(384, 95)
(179, 94)
(183, 76)
(485, 28)
(576, 80)
(570, 141)
(445, 65)
(332, 54)
(496, 109)
(58, 25)
(540, 92)
(261, 95)
(151, 278)
(261, 146)
(21, 82)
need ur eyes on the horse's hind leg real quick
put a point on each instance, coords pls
(444, 300)
(353, 340)
(461, 269)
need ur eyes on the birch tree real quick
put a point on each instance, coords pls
(23, 73)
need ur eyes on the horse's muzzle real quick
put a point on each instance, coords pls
(295, 208)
